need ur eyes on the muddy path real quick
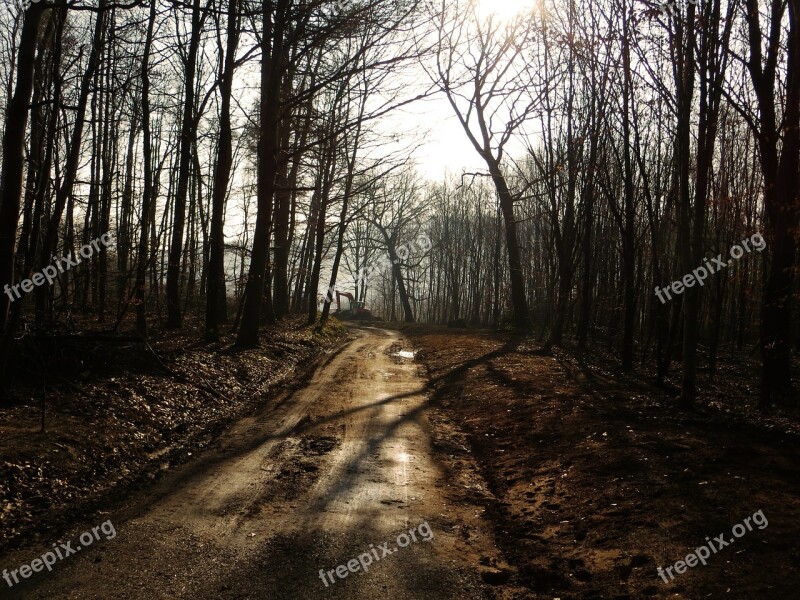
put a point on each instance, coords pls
(339, 470)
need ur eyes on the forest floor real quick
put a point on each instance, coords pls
(118, 413)
(596, 479)
(335, 474)
(537, 476)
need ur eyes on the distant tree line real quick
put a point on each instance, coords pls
(237, 151)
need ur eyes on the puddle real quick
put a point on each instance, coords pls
(407, 354)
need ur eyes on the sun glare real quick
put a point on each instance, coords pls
(504, 10)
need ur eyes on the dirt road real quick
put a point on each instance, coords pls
(313, 480)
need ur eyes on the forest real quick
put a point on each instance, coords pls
(326, 232)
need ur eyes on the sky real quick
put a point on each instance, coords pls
(444, 146)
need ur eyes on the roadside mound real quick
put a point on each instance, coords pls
(117, 412)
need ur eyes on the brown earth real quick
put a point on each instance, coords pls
(540, 477)
(118, 413)
(595, 480)
(312, 480)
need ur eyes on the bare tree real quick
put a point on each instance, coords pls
(482, 69)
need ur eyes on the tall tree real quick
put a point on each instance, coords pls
(493, 78)
(779, 150)
(148, 195)
(216, 311)
(187, 143)
(13, 157)
(272, 73)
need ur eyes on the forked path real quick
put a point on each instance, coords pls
(316, 479)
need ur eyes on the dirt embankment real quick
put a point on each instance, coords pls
(596, 480)
(118, 413)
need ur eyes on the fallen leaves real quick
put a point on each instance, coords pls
(134, 416)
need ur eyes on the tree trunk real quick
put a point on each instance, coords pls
(522, 319)
(142, 259)
(13, 159)
(216, 305)
(187, 143)
(271, 79)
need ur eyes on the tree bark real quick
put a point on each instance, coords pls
(142, 259)
(216, 304)
(14, 157)
(174, 317)
(271, 79)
